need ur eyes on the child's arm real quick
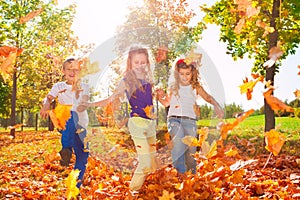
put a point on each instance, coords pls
(208, 98)
(163, 98)
(46, 106)
(102, 103)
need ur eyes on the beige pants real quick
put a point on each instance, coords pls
(143, 133)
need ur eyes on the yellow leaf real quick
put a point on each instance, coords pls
(60, 115)
(190, 141)
(71, 181)
(209, 150)
(274, 141)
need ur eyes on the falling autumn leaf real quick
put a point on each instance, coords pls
(7, 65)
(247, 86)
(30, 16)
(88, 67)
(274, 54)
(274, 141)
(15, 126)
(161, 54)
(6, 50)
(193, 58)
(275, 103)
(228, 127)
(297, 93)
(71, 181)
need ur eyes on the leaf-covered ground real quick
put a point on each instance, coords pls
(29, 169)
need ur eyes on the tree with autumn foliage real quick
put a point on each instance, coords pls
(42, 34)
(266, 30)
(163, 27)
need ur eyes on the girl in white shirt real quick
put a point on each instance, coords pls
(182, 113)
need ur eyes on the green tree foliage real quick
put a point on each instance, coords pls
(253, 27)
(4, 98)
(46, 39)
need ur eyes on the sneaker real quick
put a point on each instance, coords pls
(65, 155)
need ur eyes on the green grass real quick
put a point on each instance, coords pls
(249, 134)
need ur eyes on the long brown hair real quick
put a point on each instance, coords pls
(181, 64)
(130, 78)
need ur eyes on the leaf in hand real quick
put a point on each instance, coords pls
(71, 181)
(60, 115)
(274, 141)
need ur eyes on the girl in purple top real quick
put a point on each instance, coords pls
(137, 85)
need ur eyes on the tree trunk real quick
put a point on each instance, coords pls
(13, 105)
(36, 121)
(270, 72)
(22, 118)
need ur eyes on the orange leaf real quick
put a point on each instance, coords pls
(297, 93)
(274, 54)
(149, 111)
(161, 54)
(6, 50)
(275, 103)
(274, 141)
(7, 65)
(227, 127)
(30, 15)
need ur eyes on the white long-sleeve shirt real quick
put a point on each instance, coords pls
(66, 96)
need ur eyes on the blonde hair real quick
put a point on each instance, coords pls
(195, 82)
(130, 78)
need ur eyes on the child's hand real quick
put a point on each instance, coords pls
(160, 93)
(81, 108)
(44, 112)
(83, 105)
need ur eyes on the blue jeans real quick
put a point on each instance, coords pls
(182, 158)
(72, 140)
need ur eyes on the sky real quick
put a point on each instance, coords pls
(96, 22)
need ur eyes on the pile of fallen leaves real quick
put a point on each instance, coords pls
(29, 169)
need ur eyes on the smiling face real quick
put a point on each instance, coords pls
(185, 76)
(71, 71)
(139, 62)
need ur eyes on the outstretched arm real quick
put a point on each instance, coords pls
(208, 98)
(102, 103)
